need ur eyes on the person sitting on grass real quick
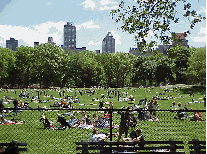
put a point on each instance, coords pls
(56, 104)
(96, 137)
(197, 117)
(88, 120)
(71, 121)
(135, 136)
(173, 104)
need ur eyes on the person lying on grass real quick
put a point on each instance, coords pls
(10, 122)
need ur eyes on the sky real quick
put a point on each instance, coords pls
(31, 21)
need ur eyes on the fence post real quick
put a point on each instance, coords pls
(172, 145)
(196, 146)
(85, 147)
(111, 111)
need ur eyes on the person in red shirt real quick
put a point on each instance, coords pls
(63, 103)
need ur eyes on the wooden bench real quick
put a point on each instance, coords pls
(197, 146)
(13, 147)
(130, 147)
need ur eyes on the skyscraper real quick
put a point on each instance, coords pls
(70, 36)
(12, 44)
(108, 44)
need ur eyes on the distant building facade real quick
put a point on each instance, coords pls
(50, 40)
(97, 51)
(12, 44)
(70, 36)
(36, 43)
(180, 39)
(134, 51)
(80, 49)
(108, 44)
(163, 49)
(138, 52)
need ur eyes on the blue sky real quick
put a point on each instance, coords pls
(34, 21)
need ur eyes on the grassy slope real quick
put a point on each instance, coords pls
(58, 141)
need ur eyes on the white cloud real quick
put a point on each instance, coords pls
(202, 30)
(108, 5)
(34, 33)
(117, 37)
(108, 8)
(202, 10)
(94, 43)
(88, 24)
(199, 39)
(39, 33)
(48, 3)
(106, 2)
(89, 4)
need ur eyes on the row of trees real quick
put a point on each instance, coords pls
(49, 65)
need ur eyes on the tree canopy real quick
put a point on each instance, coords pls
(153, 16)
(197, 66)
(49, 65)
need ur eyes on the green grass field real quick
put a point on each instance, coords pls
(41, 140)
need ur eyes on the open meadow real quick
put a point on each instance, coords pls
(42, 140)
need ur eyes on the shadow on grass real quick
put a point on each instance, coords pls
(194, 89)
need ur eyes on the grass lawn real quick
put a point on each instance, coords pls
(41, 140)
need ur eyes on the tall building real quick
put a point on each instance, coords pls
(50, 40)
(12, 44)
(70, 36)
(108, 44)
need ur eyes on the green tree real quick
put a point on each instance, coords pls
(139, 73)
(86, 69)
(180, 55)
(7, 60)
(153, 16)
(23, 65)
(196, 72)
(164, 68)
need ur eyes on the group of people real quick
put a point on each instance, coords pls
(86, 122)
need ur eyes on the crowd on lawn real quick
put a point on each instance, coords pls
(145, 109)
(66, 101)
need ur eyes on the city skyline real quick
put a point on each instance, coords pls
(27, 24)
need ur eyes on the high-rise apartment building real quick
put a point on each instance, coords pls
(12, 44)
(70, 36)
(108, 44)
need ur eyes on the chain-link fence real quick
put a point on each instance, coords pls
(57, 130)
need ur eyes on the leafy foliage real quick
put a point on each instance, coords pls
(49, 65)
(153, 16)
(197, 66)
